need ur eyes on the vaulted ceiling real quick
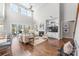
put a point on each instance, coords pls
(34, 5)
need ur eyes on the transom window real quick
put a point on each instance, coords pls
(21, 10)
(14, 7)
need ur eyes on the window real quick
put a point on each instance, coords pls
(2, 10)
(29, 13)
(23, 11)
(1, 28)
(14, 7)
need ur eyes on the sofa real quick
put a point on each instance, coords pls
(25, 38)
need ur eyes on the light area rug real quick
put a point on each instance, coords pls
(39, 41)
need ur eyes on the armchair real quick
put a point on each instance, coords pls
(5, 47)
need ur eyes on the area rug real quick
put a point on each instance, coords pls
(39, 41)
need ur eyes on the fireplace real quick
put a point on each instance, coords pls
(41, 33)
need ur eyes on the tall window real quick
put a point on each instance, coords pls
(1, 28)
(21, 10)
(29, 13)
(2, 10)
(14, 7)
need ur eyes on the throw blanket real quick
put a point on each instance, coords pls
(68, 48)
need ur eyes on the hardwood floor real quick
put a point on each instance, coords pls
(47, 48)
(43, 49)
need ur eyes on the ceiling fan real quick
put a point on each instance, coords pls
(31, 8)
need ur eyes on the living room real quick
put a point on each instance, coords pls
(36, 26)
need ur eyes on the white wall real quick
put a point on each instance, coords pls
(71, 26)
(44, 11)
(15, 18)
(68, 13)
(64, 12)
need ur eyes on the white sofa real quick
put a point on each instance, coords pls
(24, 38)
